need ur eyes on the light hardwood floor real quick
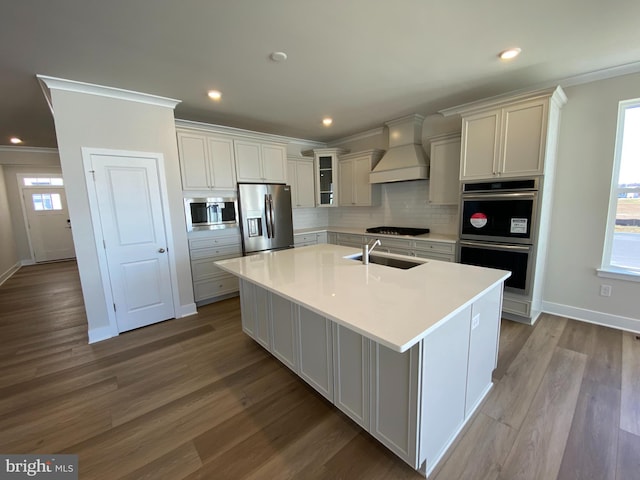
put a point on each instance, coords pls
(196, 398)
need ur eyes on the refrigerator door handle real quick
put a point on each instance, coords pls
(266, 214)
(273, 225)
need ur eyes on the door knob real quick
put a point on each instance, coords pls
(161, 250)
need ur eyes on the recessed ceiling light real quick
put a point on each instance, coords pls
(327, 121)
(15, 140)
(214, 95)
(278, 57)
(510, 53)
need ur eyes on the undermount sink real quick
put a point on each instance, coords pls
(388, 261)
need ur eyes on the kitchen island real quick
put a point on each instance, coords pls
(407, 354)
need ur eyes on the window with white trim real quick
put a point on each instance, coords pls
(622, 242)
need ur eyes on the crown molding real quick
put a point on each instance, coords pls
(240, 132)
(12, 149)
(358, 136)
(53, 83)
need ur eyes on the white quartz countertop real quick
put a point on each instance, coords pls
(437, 237)
(394, 307)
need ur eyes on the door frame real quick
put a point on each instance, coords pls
(20, 176)
(87, 154)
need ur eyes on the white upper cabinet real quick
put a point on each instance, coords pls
(327, 177)
(300, 176)
(260, 162)
(353, 173)
(206, 161)
(509, 139)
(444, 183)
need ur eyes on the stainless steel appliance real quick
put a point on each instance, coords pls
(265, 217)
(210, 212)
(497, 228)
(398, 230)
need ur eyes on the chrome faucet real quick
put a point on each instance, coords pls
(367, 249)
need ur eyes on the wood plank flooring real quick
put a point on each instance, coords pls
(197, 399)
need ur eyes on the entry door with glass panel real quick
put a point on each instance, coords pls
(48, 220)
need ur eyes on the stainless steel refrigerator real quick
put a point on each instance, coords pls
(265, 217)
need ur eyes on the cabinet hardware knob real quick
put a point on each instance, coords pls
(161, 250)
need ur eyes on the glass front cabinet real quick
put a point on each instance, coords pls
(326, 166)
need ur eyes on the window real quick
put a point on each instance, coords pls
(46, 201)
(40, 181)
(622, 244)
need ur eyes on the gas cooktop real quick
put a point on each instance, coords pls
(398, 230)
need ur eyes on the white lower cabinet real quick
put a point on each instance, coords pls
(315, 351)
(283, 331)
(351, 374)
(415, 402)
(395, 395)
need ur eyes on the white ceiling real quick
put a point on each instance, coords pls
(363, 62)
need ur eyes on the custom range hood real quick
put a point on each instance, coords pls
(405, 159)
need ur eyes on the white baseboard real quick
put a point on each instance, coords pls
(101, 333)
(27, 261)
(186, 310)
(7, 275)
(591, 316)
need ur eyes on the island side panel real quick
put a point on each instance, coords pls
(444, 385)
(483, 346)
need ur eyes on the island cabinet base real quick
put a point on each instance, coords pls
(415, 402)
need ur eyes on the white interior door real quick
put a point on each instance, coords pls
(132, 219)
(49, 224)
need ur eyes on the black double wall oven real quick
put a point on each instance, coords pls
(498, 225)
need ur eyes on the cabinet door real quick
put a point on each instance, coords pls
(345, 187)
(523, 139)
(283, 331)
(394, 399)
(316, 354)
(193, 161)
(222, 165)
(248, 307)
(306, 190)
(274, 163)
(248, 161)
(444, 183)
(483, 346)
(361, 186)
(480, 137)
(292, 174)
(263, 314)
(351, 374)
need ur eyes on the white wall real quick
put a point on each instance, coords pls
(8, 256)
(84, 120)
(581, 199)
(31, 161)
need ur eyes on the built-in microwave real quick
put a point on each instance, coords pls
(210, 213)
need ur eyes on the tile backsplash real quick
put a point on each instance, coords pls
(402, 204)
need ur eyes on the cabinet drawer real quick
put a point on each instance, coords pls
(217, 252)
(204, 268)
(213, 241)
(434, 255)
(215, 287)
(516, 306)
(307, 239)
(350, 240)
(321, 237)
(435, 247)
(401, 244)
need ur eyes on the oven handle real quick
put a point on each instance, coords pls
(499, 196)
(495, 246)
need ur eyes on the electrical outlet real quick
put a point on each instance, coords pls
(605, 290)
(475, 321)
